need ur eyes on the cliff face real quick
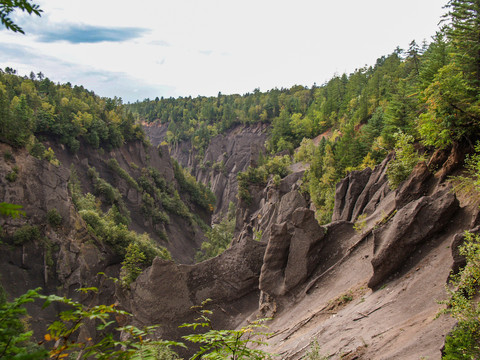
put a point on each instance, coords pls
(60, 258)
(226, 156)
(184, 237)
(365, 286)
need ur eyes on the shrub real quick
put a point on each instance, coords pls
(25, 234)
(219, 237)
(406, 157)
(103, 188)
(131, 264)
(199, 193)
(12, 175)
(49, 155)
(54, 218)
(226, 344)
(7, 156)
(463, 342)
(314, 352)
(37, 150)
(115, 166)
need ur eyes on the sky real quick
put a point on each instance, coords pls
(148, 48)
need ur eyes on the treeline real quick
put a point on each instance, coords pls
(68, 114)
(199, 119)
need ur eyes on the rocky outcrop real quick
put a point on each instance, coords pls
(417, 185)
(360, 192)
(58, 259)
(292, 253)
(412, 224)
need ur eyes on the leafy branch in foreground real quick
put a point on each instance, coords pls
(462, 304)
(15, 341)
(226, 344)
(63, 334)
(8, 6)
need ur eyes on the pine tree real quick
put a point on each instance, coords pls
(464, 33)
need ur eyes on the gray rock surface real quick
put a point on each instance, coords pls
(411, 225)
(292, 253)
(165, 292)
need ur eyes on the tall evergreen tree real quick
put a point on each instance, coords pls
(464, 33)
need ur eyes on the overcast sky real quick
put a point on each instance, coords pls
(147, 48)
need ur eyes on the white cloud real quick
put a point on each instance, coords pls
(202, 47)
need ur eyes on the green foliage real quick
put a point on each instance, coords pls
(219, 236)
(26, 234)
(463, 342)
(15, 340)
(12, 175)
(226, 344)
(276, 165)
(360, 223)
(49, 155)
(9, 6)
(314, 353)
(7, 156)
(68, 115)
(406, 157)
(469, 183)
(111, 227)
(54, 218)
(111, 195)
(37, 149)
(102, 188)
(305, 152)
(12, 210)
(62, 333)
(131, 265)
(115, 166)
(199, 193)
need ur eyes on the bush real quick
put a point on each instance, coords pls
(115, 166)
(406, 157)
(7, 156)
(219, 237)
(199, 193)
(25, 234)
(463, 342)
(12, 175)
(227, 344)
(54, 218)
(37, 150)
(131, 265)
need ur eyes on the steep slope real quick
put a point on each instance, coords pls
(52, 246)
(364, 287)
(35, 253)
(183, 236)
